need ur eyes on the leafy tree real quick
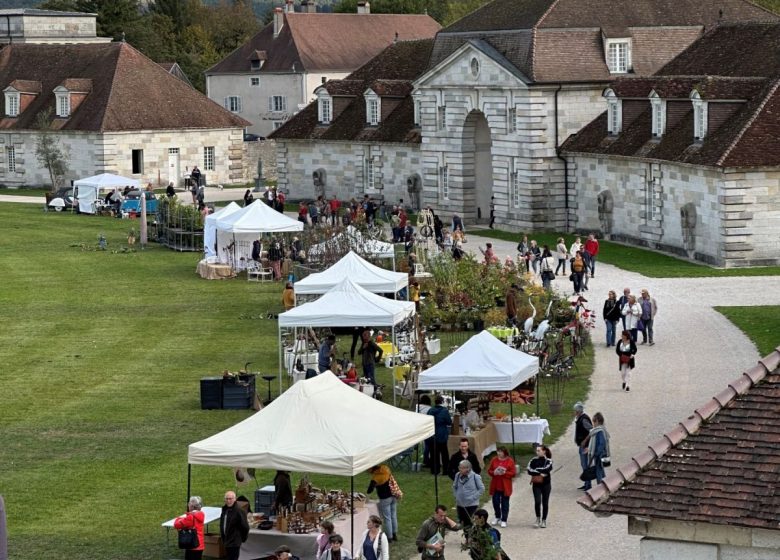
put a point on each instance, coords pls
(181, 12)
(48, 150)
(113, 16)
(229, 25)
(457, 9)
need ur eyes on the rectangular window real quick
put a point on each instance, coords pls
(138, 161)
(370, 177)
(326, 112)
(277, 103)
(233, 103)
(208, 158)
(373, 112)
(441, 121)
(444, 182)
(417, 112)
(514, 185)
(254, 81)
(10, 159)
(12, 110)
(278, 124)
(63, 105)
(618, 57)
(652, 194)
(511, 119)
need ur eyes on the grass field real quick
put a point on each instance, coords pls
(761, 324)
(643, 261)
(102, 353)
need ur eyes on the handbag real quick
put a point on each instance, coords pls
(640, 325)
(188, 538)
(606, 461)
(571, 277)
(395, 490)
(588, 474)
(625, 358)
(537, 479)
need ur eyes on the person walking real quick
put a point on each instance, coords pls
(582, 427)
(536, 255)
(622, 301)
(523, 254)
(562, 254)
(611, 314)
(370, 353)
(275, 257)
(546, 268)
(193, 519)
(540, 469)
(592, 249)
(336, 550)
(442, 422)
(598, 446)
(388, 503)
(467, 488)
(323, 539)
(326, 354)
(632, 312)
(463, 454)
(626, 349)
(578, 271)
(482, 540)
(511, 305)
(430, 538)
(502, 470)
(233, 526)
(575, 247)
(373, 542)
(649, 309)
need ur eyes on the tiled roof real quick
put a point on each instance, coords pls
(746, 135)
(721, 465)
(320, 42)
(562, 40)
(26, 86)
(392, 71)
(79, 85)
(128, 91)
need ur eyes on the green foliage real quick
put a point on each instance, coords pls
(761, 324)
(48, 151)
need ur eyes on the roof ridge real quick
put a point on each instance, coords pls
(657, 449)
(111, 88)
(546, 13)
(749, 123)
(532, 55)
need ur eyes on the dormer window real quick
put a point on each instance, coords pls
(417, 109)
(614, 112)
(659, 114)
(12, 103)
(618, 55)
(373, 108)
(699, 116)
(324, 108)
(62, 99)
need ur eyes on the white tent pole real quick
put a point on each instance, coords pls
(392, 361)
(281, 357)
(352, 513)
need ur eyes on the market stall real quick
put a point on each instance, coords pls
(243, 227)
(357, 242)
(363, 273)
(210, 228)
(345, 305)
(88, 190)
(318, 426)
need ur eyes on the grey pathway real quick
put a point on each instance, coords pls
(697, 353)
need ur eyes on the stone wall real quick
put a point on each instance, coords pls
(344, 164)
(264, 150)
(92, 153)
(737, 215)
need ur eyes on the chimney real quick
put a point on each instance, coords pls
(289, 6)
(363, 7)
(309, 6)
(278, 21)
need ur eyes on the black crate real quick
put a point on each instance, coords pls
(264, 501)
(210, 392)
(239, 394)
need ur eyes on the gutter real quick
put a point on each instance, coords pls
(564, 160)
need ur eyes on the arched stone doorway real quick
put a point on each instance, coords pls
(477, 168)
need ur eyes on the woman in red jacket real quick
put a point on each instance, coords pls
(194, 518)
(502, 470)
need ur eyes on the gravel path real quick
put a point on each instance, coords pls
(697, 352)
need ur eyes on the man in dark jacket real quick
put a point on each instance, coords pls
(233, 526)
(435, 526)
(582, 427)
(463, 454)
(371, 353)
(442, 422)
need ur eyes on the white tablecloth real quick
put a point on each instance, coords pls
(211, 514)
(309, 360)
(525, 432)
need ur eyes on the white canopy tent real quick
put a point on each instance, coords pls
(482, 363)
(346, 305)
(246, 224)
(334, 432)
(360, 271)
(88, 189)
(357, 242)
(210, 228)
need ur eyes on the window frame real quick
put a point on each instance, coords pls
(441, 117)
(233, 103)
(614, 112)
(369, 170)
(373, 108)
(12, 101)
(277, 103)
(444, 180)
(254, 81)
(10, 159)
(208, 158)
(615, 68)
(324, 108)
(63, 108)
(417, 113)
(658, 120)
(511, 119)
(514, 184)
(700, 116)
(137, 159)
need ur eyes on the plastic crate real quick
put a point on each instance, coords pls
(238, 395)
(264, 499)
(210, 392)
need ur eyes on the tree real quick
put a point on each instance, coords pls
(48, 150)
(181, 12)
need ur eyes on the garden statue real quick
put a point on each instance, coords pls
(131, 237)
(688, 224)
(414, 188)
(606, 206)
(259, 180)
(319, 177)
(102, 243)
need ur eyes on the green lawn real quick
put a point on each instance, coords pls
(102, 353)
(761, 324)
(643, 261)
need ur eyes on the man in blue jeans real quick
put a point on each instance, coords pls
(326, 353)
(582, 427)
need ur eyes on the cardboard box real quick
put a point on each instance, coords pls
(213, 546)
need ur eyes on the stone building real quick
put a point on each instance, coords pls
(275, 73)
(708, 489)
(508, 83)
(113, 110)
(361, 135)
(688, 161)
(48, 27)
